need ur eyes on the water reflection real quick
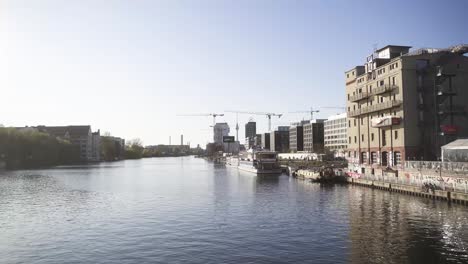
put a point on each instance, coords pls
(189, 210)
(395, 228)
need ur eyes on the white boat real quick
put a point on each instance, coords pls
(258, 162)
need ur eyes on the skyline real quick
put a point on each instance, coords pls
(130, 68)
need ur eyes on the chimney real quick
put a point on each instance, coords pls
(182, 140)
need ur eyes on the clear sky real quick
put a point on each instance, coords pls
(129, 67)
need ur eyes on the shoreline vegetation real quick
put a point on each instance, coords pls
(29, 149)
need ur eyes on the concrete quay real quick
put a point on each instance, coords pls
(449, 196)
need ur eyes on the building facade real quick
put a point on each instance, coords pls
(77, 135)
(96, 146)
(335, 134)
(314, 136)
(250, 132)
(405, 105)
(219, 131)
(279, 139)
(265, 141)
(296, 136)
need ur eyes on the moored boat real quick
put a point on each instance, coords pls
(259, 162)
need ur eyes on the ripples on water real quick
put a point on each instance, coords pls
(186, 210)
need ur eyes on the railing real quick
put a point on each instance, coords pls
(380, 106)
(359, 96)
(353, 113)
(383, 89)
(434, 165)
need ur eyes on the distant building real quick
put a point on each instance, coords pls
(219, 131)
(279, 139)
(313, 136)
(250, 132)
(405, 105)
(296, 136)
(168, 150)
(77, 135)
(119, 145)
(266, 141)
(258, 141)
(96, 146)
(335, 134)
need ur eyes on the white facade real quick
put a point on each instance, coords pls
(219, 131)
(335, 133)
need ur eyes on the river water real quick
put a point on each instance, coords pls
(187, 210)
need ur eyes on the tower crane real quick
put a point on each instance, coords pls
(312, 110)
(267, 114)
(214, 115)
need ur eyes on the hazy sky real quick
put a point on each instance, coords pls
(129, 67)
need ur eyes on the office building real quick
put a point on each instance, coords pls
(220, 130)
(335, 134)
(266, 141)
(296, 136)
(279, 139)
(313, 136)
(405, 105)
(250, 132)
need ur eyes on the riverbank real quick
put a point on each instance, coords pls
(449, 196)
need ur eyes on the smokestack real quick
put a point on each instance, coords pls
(181, 140)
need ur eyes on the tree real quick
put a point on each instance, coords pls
(134, 149)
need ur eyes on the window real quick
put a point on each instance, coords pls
(362, 120)
(397, 158)
(354, 154)
(372, 137)
(393, 80)
(396, 64)
(374, 157)
(381, 83)
(354, 121)
(349, 124)
(384, 140)
(381, 99)
(396, 134)
(362, 138)
(349, 140)
(364, 157)
(355, 139)
(347, 75)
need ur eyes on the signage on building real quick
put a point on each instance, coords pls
(449, 129)
(228, 139)
(385, 121)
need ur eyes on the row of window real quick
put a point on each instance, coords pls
(373, 157)
(383, 138)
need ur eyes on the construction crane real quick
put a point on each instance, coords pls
(214, 115)
(311, 112)
(267, 114)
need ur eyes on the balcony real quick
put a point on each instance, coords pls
(359, 96)
(375, 108)
(354, 113)
(380, 106)
(383, 89)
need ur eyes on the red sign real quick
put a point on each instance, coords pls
(449, 129)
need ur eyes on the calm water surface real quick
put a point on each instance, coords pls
(186, 210)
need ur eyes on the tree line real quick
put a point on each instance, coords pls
(31, 148)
